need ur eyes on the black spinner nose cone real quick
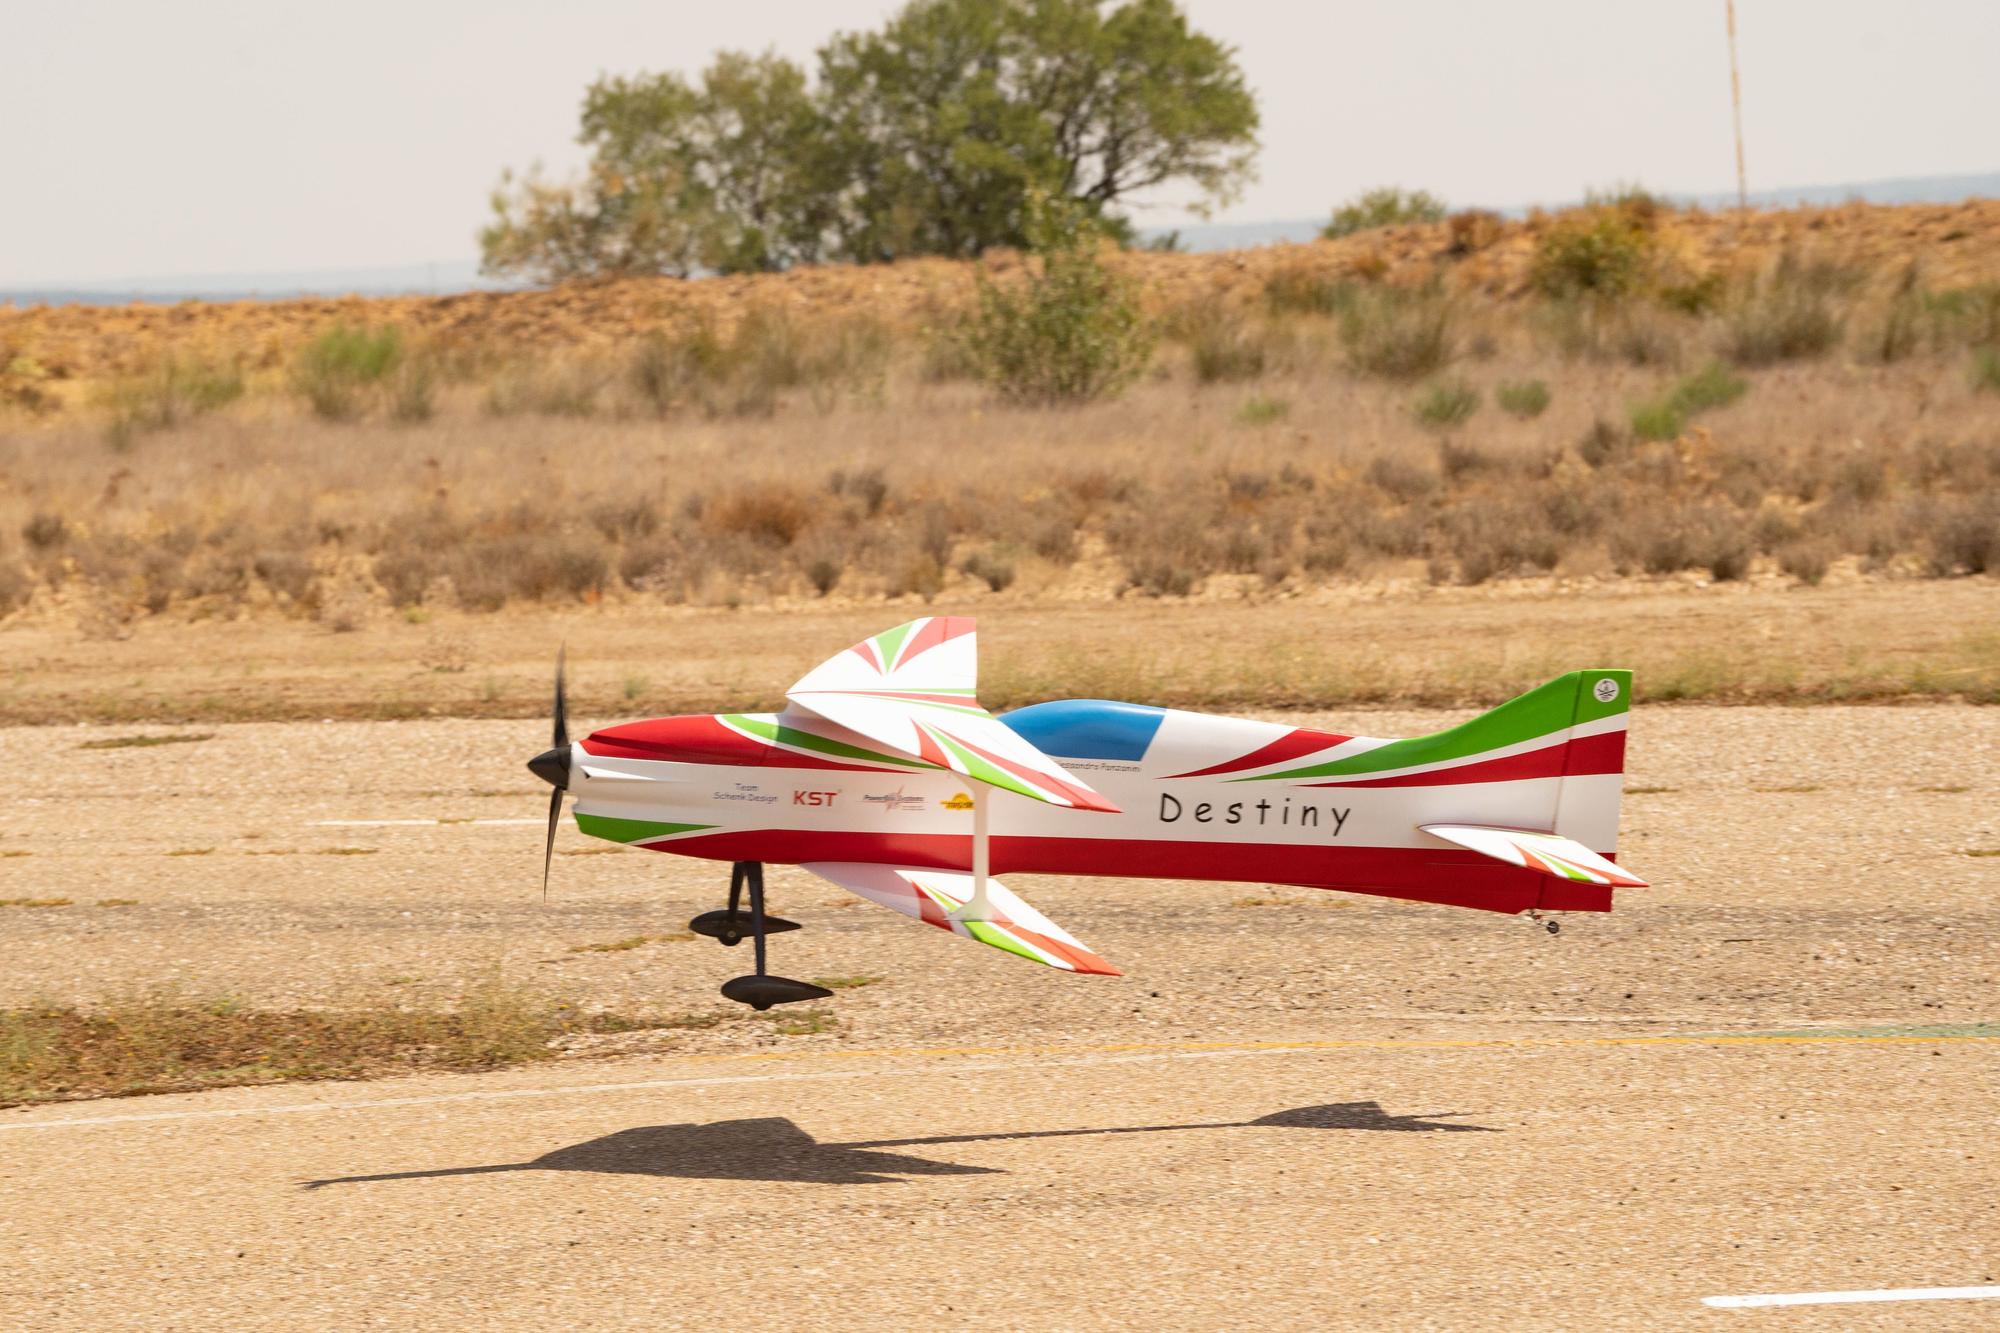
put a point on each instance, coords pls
(552, 766)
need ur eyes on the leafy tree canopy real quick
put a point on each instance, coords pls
(1386, 207)
(929, 136)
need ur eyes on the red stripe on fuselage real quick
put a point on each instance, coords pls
(1294, 745)
(1448, 875)
(698, 738)
(1588, 754)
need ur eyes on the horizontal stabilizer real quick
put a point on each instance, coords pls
(932, 895)
(1548, 853)
(911, 690)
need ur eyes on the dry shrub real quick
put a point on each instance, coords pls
(51, 1052)
(1668, 539)
(868, 487)
(16, 587)
(1963, 535)
(1788, 313)
(1485, 539)
(991, 567)
(1306, 289)
(1223, 345)
(1472, 230)
(487, 574)
(773, 514)
(565, 388)
(1397, 334)
(1808, 559)
(1399, 477)
(175, 391)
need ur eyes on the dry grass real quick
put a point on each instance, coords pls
(172, 1043)
(145, 742)
(1401, 642)
(798, 441)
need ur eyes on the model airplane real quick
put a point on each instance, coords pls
(884, 775)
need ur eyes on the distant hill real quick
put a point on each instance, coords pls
(437, 279)
(447, 277)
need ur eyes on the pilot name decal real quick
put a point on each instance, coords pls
(1284, 813)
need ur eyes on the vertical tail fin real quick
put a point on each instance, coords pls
(1593, 781)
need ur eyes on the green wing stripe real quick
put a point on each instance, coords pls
(988, 933)
(631, 830)
(1561, 703)
(975, 767)
(805, 740)
(888, 641)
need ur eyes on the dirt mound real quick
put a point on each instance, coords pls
(47, 352)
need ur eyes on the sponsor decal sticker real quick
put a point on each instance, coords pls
(958, 800)
(746, 791)
(892, 801)
(813, 797)
(1606, 690)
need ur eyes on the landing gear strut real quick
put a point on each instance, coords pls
(760, 990)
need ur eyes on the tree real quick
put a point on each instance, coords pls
(1386, 207)
(927, 137)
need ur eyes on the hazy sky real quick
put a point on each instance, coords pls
(212, 136)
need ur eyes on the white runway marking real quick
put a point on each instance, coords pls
(1855, 1297)
(417, 823)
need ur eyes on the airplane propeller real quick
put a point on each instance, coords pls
(552, 767)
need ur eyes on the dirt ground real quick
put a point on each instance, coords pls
(1396, 641)
(1772, 1071)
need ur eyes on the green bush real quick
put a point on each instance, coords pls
(1603, 249)
(1657, 419)
(1665, 417)
(1710, 387)
(1385, 207)
(1398, 334)
(1070, 330)
(1446, 403)
(1529, 398)
(337, 369)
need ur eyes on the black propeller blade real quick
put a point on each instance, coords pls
(552, 767)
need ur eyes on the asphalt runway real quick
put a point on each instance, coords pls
(1435, 1181)
(1775, 1072)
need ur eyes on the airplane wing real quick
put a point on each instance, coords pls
(932, 895)
(911, 689)
(1554, 856)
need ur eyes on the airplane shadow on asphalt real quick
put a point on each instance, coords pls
(773, 1148)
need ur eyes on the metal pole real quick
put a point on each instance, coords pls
(1736, 107)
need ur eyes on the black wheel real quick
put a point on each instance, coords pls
(1553, 927)
(730, 936)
